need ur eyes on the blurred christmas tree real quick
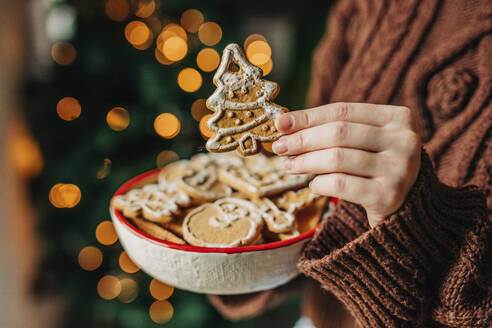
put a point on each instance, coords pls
(125, 93)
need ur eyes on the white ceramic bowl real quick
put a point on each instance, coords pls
(206, 270)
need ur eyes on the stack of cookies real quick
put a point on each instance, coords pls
(223, 200)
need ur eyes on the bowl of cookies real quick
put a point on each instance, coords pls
(218, 223)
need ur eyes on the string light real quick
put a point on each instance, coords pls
(90, 258)
(105, 233)
(117, 10)
(167, 125)
(126, 264)
(105, 169)
(253, 37)
(165, 157)
(129, 290)
(63, 53)
(199, 109)
(138, 34)
(64, 195)
(68, 108)
(191, 20)
(169, 31)
(145, 8)
(210, 33)
(118, 118)
(258, 52)
(175, 48)
(206, 132)
(208, 59)
(159, 290)
(109, 287)
(189, 79)
(267, 67)
(161, 311)
(161, 58)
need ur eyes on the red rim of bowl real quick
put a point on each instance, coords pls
(189, 248)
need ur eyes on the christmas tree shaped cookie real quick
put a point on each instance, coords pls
(244, 113)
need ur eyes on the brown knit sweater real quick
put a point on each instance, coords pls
(429, 264)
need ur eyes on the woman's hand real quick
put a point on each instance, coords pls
(363, 153)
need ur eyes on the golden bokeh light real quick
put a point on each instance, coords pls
(189, 79)
(258, 52)
(64, 195)
(109, 287)
(90, 258)
(105, 169)
(252, 38)
(161, 311)
(154, 24)
(191, 20)
(206, 132)
(68, 108)
(199, 109)
(175, 48)
(117, 10)
(25, 152)
(159, 290)
(169, 31)
(129, 290)
(126, 263)
(267, 67)
(210, 33)
(161, 58)
(63, 53)
(165, 157)
(208, 59)
(138, 34)
(167, 125)
(106, 234)
(145, 8)
(118, 118)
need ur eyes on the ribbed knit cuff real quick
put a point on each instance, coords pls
(388, 275)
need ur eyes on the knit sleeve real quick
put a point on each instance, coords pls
(423, 266)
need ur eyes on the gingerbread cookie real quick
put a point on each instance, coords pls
(262, 176)
(172, 171)
(156, 231)
(203, 185)
(215, 160)
(293, 201)
(244, 113)
(275, 219)
(306, 219)
(228, 222)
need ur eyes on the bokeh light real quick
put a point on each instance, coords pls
(90, 258)
(206, 132)
(109, 287)
(258, 52)
(252, 38)
(154, 24)
(118, 118)
(68, 108)
(210, 33)
(161, 58)
(117, 10)
(161, 311)
(175, 48)
(138, 34)
(63, 53)
(105, 233)
(145, 8)
(126, 263)
(199, 109)
(167, 125)
(267, 67)
(159, 290)
(129, 290)
(165, 157)
(64, 195)
(169, 31)
(25, 153)
(189, 79)
(105, 169)
(191, 20)
(208, 59)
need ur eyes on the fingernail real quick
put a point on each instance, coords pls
(288, 164)
(280, 146)
(284, 123)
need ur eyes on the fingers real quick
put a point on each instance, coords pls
(348, 187)
(336, 160)
(332, 134)
(377, 115)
